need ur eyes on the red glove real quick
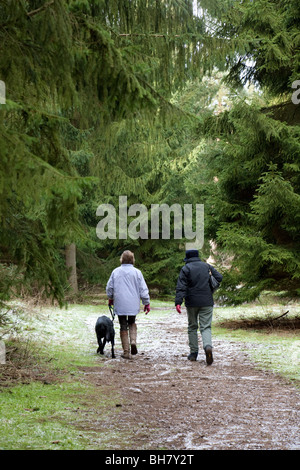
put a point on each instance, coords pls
(110, 301)
(178, 308)
(147, 309)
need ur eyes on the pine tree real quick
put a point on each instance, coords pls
(250, 165)
(77, 66)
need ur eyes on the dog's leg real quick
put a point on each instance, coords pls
(113, 347)
(104, 343)
(101, 346)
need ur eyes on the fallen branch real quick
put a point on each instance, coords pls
(280, 316)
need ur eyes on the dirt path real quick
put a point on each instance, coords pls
(168, 402)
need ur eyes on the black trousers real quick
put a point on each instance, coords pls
(125, 321)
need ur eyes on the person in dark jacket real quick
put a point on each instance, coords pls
(193, 286)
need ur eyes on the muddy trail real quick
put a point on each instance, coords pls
(167, 402)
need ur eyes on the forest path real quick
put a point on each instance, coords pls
(168, 402)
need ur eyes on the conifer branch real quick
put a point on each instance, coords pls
(165, 101)
(38, 10)
(159, 35)
(146, 35)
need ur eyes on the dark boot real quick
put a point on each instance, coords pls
(209, 355)
(193, 356)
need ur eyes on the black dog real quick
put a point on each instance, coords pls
(105, 329)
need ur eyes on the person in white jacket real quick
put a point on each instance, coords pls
(125, 289)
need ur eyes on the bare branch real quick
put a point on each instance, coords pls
(38, 10)
(276, 318)
(152, 35)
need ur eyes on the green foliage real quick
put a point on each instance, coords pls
(112, 98)
(84, 77)
(260, 40)
(252, 199)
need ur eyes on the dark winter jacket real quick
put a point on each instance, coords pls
(193, 284)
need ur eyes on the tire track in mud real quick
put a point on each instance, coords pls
(168, 402)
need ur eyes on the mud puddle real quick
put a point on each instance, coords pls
(168, 402)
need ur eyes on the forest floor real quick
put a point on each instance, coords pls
(159, 400)
(168, 402)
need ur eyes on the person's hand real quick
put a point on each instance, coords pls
(110, 301)
(147, 309)
(178, 308)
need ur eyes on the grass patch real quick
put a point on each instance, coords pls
(273, 340)
(44, 403)
(35, 416)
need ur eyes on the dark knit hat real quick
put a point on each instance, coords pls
(191, 254)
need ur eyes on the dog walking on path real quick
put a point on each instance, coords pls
(105, 329)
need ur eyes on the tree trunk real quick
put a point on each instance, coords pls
(2, 353)
(70, 252)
